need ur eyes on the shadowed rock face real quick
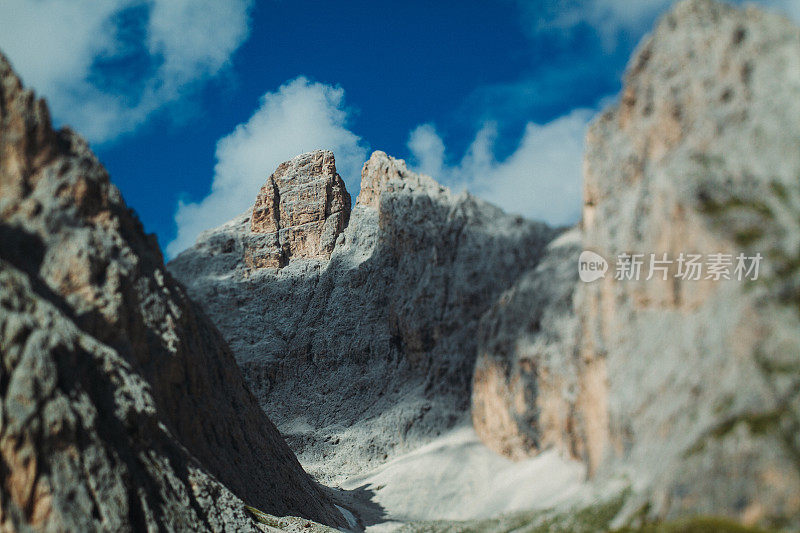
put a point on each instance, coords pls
(122, 406)
(526, 372)
(689, 388)
(299, 212)
(384, 331)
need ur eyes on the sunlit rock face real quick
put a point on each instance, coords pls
(702, 155)
(525, 378)
(688, 389)
(299, 212)
(122, 406)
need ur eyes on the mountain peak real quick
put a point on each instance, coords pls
(299, 212)
(383, 172)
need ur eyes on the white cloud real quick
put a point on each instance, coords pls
(56, 45)
(541, 179)
(51, 41)
(299, 117)
(195, 37)
(427, 148)
(613, 19)
(610, 18)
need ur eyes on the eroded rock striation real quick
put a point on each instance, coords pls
(122, 406)
(370, 352)
(687, 388)
(299, 212)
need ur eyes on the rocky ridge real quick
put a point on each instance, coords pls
(383, 330)
(299, 212)
(121, 405)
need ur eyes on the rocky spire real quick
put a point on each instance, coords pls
(385, 174)
(300, 210)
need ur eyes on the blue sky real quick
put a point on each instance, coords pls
(191, 104)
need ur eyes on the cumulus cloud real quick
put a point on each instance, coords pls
(611, 19)
(614, 20)
(299, 117)
(79, 54)
(541, 179)
(427, 149)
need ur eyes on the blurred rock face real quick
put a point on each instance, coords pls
(689, 388)
(525, 376)
(122, 406)
(701, 156)
(299, 213)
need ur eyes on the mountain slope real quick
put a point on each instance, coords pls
(122, 404)
(370, 352)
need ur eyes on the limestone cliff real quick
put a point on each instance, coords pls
(690, 389)
(298, 213)
(121, 406)
(701, 155)
(369, 352)
(525, 378)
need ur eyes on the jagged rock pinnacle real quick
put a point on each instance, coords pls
(300, 210)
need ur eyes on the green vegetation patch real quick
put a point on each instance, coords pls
(702, 524)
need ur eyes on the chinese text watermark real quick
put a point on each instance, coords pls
(684, 266)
